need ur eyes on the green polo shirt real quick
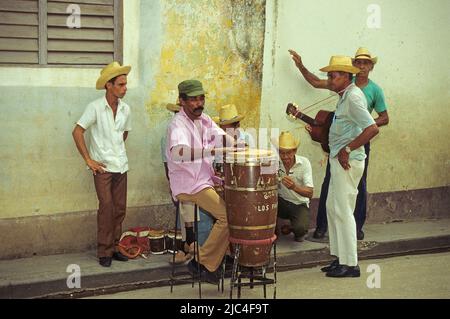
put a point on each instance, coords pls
(374, 96)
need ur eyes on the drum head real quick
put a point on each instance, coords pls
(251, 156)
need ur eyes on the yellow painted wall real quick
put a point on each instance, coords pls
(218, 42)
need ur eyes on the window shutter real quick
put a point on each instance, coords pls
(93, 43)
(19, 30)
(38, 32)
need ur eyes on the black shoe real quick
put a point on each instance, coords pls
(300, 238)
(118, 256)
(193, 267)
(344, 271)
(360, 235)
(105, 261)
(331, 267)
(319, 234)
(206, 275)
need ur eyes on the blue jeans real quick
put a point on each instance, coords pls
(361, 200)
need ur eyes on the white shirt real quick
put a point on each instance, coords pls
(301, 173)
(107, 145)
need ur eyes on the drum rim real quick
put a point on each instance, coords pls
(231, 158)
(251, 189)
(156, 237)
(172, 235)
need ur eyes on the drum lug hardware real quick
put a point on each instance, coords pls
(233, 177)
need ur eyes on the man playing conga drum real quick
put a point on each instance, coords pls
(296, 187)
(191, 140)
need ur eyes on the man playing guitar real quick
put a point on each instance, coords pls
(375, 100)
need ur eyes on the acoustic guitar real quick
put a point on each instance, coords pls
(320, 125)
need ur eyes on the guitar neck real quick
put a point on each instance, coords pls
(305, 118)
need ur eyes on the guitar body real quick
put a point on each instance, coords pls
(321, 128)
(320, 125)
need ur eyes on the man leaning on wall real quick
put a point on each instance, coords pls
(108, 119)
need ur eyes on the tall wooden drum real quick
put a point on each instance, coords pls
(251, 201)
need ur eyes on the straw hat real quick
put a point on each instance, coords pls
(286, 141)
(111, 71)
(173, 107)
(228, 114)
(216, 119)
(364, 54)
(340, 63)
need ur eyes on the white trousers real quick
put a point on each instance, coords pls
(341, 203)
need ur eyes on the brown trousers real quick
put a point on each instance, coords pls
(214, 248)
(112, 196)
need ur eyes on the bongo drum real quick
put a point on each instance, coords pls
(170, 237)
(251, 191)
(157, 241)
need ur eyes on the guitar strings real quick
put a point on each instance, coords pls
(301, 126)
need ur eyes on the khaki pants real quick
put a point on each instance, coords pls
(214, 248)
(112, 196)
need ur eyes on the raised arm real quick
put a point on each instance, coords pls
(309, 77)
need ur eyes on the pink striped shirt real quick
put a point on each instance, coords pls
(187, 176)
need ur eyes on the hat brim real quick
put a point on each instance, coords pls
(196, 93)
(233, 120)
(173, 107)
(362, 57)
(216, 119)
(104, 78)
(276, 142)
(340, 68)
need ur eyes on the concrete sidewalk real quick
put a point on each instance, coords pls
(46, 276)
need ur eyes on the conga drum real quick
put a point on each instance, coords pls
(252, 201)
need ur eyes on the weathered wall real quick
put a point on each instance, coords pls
(218, 42)
(43, 182)
(412, 44)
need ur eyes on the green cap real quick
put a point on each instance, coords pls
(191, 88)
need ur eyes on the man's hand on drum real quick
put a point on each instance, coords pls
(217, 150)
(288, 182)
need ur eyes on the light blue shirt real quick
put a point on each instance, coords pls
(350, 119)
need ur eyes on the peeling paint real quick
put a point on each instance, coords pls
(218, 42)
